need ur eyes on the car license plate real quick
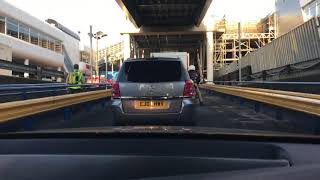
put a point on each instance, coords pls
(151, 105)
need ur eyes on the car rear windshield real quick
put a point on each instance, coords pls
(152, 71)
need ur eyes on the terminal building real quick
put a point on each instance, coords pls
(292, 13)
(27, 40)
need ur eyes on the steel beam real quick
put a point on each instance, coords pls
(134, 19)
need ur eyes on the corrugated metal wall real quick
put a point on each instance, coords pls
(299, 45)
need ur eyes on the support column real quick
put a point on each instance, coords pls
(59, 79)
(210, 57)
(200, 61)
(134, 49)
(204, 50)
(5, 54)
(126, 46)
(112, 68)
(201, 53)
(5, 25)
(26, 62)
(106, 61)
(121, 62)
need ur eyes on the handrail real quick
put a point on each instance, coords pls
(39, 87)
(267, 82)
(22, 85)
(303, 102)
(34, 86)
(19, 109)
(296, 94)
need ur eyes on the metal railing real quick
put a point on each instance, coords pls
(13, 92)
(19, 109)
(305, 87)
(302, 102)
(38, 71)
(265, 82)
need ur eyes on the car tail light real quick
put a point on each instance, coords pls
(116, 90)
(188, 89)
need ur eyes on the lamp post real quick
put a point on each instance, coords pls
(112, 57)
(91, 50)
(106, 61)
(98, 35)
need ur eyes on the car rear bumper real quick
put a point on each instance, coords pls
(154, 118)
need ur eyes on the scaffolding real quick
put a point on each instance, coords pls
(254, 35)
(113, 53)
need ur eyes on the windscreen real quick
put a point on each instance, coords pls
(104, 64)
(151, 71)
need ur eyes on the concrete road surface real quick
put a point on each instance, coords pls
(216, 112)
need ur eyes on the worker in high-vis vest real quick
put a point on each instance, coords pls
(75, 78)
(195, 77)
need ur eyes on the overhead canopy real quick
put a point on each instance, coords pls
(168, 41)
(155, 13)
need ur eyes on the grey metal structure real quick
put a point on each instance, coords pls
(297, 46)
(168, 41)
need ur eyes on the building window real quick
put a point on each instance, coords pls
(318, 8)
(58, 47)
(12, 28)
(51, 43)
(43, 41)
(23, 32)
(313, 10)
(34, 37)
(2, 24)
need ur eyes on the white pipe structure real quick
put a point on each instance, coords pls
(240, 55)
(126, 46)
(91, 50)
(59, 79)
(26, 62)
(106, 61)
(210, 57)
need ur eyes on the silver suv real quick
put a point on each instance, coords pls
(155, 91)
